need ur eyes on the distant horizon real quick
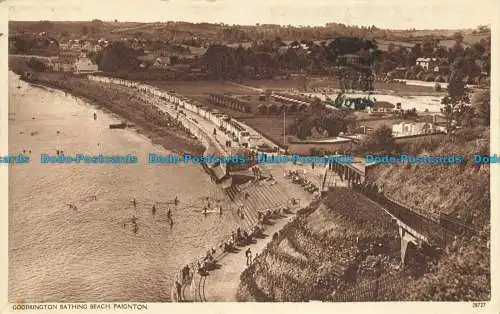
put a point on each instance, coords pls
(250, 25)
(387, 14)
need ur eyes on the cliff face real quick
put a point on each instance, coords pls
(337, 243)
(462, 191)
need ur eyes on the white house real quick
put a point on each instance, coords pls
(426, 63)
(411, 128)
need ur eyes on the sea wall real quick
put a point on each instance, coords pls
(211, 146)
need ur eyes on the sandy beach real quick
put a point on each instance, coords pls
(99, 234)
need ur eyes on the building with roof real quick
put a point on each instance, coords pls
(85, 65)
(411, 128)
(427, 63)
(381, 106)
(348, 59)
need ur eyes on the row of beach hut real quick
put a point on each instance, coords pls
(230, 102)
(215, 116)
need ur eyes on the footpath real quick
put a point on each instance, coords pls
(222, 283)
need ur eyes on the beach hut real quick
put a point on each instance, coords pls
(279, 108)
(262, 108)
(302, 107)
(291, 107)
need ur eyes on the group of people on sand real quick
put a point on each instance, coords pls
(264, 216)
(302, 181)
(241, 238)
(208, 263)
(240, 212)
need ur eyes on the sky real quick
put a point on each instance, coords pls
(392, 14)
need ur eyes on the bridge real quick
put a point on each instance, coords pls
(353, 173)
(414, 229)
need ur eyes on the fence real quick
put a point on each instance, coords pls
(434, 233)
(456, 225)
(380, 289)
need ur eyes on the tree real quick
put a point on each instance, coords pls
(36, 65)
(317, 106)
(482, 105)
(118, 57)
(458, 37)
(380, 140)
(437, 87)
(85, 30)
(456, 103)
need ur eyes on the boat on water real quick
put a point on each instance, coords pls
(122, 125)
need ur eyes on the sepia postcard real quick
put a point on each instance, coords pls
(198, 155)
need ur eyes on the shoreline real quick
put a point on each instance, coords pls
(204, 139)
(127, 112)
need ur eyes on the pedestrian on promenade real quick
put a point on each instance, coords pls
(248, 254)
(178, 287)
(154, 209)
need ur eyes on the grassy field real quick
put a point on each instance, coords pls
(202, 88)
(333, 83)
(270, 126)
